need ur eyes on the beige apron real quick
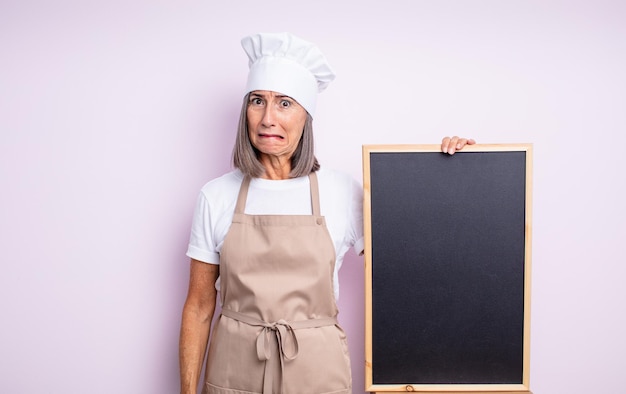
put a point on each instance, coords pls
(278, 331)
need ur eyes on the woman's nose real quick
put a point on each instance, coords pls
(268, 116)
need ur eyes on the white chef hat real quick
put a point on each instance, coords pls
(284, 63)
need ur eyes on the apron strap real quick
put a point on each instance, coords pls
(315, 194)
(243, 195)
(277, 335)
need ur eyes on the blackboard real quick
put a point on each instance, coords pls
(447, 268)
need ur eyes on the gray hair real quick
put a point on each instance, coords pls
(245, 156)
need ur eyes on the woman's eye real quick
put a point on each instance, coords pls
(256, 101)
(285, 103)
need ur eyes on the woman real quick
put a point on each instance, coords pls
(271, 236)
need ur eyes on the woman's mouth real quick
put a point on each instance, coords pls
(262, 135)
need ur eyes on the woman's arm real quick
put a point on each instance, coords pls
(196, 323)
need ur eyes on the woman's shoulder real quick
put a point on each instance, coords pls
(223, 185)
(336, 178)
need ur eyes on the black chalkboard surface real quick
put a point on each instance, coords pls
(448, 268)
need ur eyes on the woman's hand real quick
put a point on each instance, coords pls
(450, 145)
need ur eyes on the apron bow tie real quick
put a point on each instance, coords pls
(278, 335)
(284, 335)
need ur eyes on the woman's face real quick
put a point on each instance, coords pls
(275, 123)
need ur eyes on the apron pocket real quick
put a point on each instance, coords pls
(322, 365)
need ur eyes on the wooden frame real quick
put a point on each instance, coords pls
(370, 154)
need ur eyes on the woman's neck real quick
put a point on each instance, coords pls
(276, 168)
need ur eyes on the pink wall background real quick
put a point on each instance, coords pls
(113, 114)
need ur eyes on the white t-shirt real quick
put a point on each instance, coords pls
(341, 203)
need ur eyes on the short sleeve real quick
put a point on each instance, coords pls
(202, 246)
(356, 218)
